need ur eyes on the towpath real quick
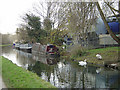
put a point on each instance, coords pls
(2, 84)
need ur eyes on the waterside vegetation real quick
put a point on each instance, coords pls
(109, 55)
(17, 77)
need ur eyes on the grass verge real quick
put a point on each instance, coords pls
(17, 77)
(6, 45)
(109, 54)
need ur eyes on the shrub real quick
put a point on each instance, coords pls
(77, 51)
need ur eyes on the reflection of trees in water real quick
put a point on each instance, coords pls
(40, 67)
(112, 80)
(61, 75)
(116, 82)
(64, 75)
(24, 58)
(72, 77)
(7, 49)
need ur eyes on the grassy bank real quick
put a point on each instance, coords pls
(17, 77)
(5, 45)
(109, 54)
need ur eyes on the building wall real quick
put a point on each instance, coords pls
(106, 39)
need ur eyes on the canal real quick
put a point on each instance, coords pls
(64, 73)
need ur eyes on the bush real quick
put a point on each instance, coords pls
(77, 51)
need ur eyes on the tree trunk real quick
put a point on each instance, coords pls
(106, 25)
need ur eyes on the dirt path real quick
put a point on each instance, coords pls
(2, 84)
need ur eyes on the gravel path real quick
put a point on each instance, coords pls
(2, 84)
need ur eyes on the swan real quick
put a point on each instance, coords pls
(63, 47)
(82, 63)
(99, 56)
(113, 64)
(98, 70)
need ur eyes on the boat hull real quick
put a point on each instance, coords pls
(44, 50)
(23, 47)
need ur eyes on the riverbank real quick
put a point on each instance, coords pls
(5, 45)
(109, 55)
(17, 77)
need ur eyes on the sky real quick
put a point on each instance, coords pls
(11, 12)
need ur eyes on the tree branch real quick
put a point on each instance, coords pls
(112, 8)
(114, 14)
(106, 25)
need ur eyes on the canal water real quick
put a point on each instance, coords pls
(64, 73)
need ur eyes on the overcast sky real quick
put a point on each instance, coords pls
(10, 12)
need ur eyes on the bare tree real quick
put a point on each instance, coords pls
(113, 10)
(77, 17)
(47, 10)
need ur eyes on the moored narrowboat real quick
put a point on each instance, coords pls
(26, 47)
(52, 49)
(48, 49)
(16, 45)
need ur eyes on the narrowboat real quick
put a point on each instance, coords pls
(48, 50)
(52, 50)
(16, 45)
(26, 47)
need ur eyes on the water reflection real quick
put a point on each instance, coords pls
(64, 73)
(44, 59)
(22, 59)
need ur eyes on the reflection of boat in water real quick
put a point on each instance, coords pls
(44, 59)
(52, 61)
(25, 54)
(24, 59)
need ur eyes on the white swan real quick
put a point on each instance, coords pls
(113, 64)
(98, 70)
(83, 63)
(99, 56)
